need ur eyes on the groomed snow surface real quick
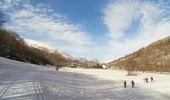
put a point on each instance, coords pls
(22, 81)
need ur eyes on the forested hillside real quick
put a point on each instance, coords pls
(14, 47)
(155, 57)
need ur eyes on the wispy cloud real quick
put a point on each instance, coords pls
(41, 23)
(153, 19)
(42, 20)
(150, 20)
(118, 16)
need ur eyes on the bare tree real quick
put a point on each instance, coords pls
(131, 65)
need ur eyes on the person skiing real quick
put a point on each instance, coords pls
(152, 79)
(124, 84)
(146, 80)
(133, 84)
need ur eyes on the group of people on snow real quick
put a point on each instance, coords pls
(147, 81)
(133, 83)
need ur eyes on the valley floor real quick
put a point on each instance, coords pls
(22, 81)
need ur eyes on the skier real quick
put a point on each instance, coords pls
(146, 80)
(124, 84)
(133, 84)
(152, 79)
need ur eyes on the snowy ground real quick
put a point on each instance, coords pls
(161, 82)
(21, 81)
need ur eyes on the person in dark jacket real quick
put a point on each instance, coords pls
(152, 79)
(146, 80)
(125, 83)
(133, 84)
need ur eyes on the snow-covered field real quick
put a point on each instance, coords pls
(22, 81)
(161, 82)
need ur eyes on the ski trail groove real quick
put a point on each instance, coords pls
(5, 88)
(38, 91)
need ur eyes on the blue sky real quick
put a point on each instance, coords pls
(87, 13)
(93, 29)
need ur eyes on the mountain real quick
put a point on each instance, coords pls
(71, 61)
(154, 57)
(16, 48)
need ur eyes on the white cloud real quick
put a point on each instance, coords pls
(118, 16)
(23, 14)
(153, 25)
(41, 22)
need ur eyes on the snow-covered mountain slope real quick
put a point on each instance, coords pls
(51, 48)
(38, 44)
